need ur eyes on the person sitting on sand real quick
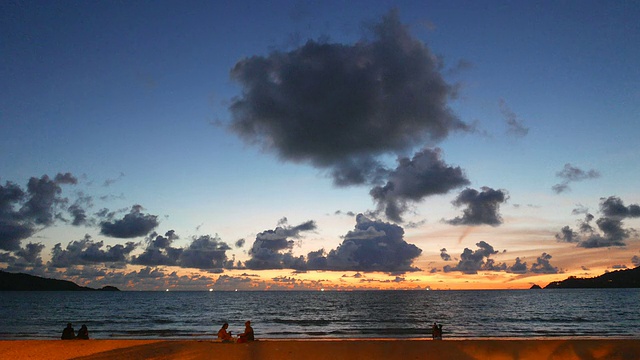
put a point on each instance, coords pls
(68, 333)
(223, 334)
(247, 335)
(83, 333)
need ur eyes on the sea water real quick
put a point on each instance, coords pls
(330, 314)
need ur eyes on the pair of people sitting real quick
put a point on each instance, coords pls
(69, 334)
(246, 336)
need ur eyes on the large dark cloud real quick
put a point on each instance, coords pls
(482, 207)
(571, 174)
(610, 229)
(371, 246)
(87, 251)
(132, 225)
(22, 213)
(414, 179)
(323, 103)
(473, 261)
(272, 248)
(341, 107)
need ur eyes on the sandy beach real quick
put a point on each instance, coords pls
(368, 349)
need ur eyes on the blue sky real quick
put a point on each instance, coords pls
(206, 118)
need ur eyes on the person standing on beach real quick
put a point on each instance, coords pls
(436, 331)
(247, 335)
(68, 333)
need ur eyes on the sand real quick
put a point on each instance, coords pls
(583, 349)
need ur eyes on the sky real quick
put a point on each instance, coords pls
(307, 145)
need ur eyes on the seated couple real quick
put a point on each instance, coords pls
(246, 336)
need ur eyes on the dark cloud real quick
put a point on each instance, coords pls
(614, 207)
(22, 213)
(543, 265)
(414, 179)
(339, 107)
(444, 255)
(373, 246)
(570, 174)
(110, 182)
(240, 243)
(610, 228)
(23, 258)
(635, 260)
(566, 234)
(518, 267)
(514, 125)
(87, 251)
(482, 207)
(473, 261)
(132, 225)
(272, 248)
(205, 252)
(159, 251)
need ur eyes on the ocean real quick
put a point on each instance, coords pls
(531, 314)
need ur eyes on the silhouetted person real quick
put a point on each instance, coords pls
(223, 334)
(83, 333)
(436, 331)
(247, 335)
(68, 333)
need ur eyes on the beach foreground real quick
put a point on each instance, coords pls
(626, 349)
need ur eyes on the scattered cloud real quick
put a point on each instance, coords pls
(414, 179)
(24, 212)
(610, 228)
(543, 265)
(482, 207)
(272, 248)
(87, 251)
(571, 174)
(373, 245)
(133, 224)
(473, 261)
(515, 126)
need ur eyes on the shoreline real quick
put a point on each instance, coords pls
(316, 349)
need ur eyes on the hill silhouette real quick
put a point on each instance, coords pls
(26, 282)
(629, 278)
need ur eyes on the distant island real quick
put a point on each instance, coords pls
(26, 282)
(629, 278)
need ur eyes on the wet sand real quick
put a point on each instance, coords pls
(400, 349)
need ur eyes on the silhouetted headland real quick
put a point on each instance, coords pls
(26, 282)
(629, 278)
